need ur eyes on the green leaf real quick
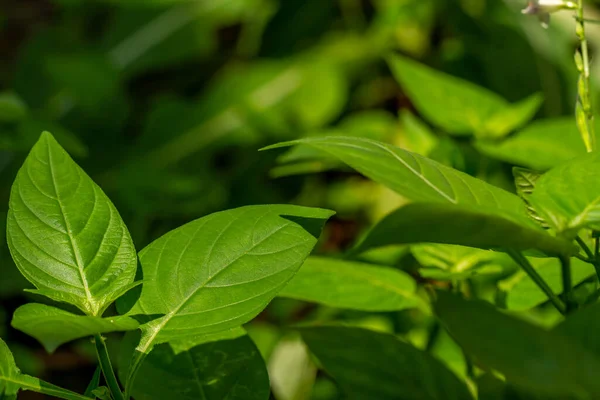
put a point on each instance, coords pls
(457, 106)
(582, 327)
(373, 365)
(94, 382)
(228, 369)
(12, 380)
(449, 193)
(525, 181)
(65, 235)
(220, 271)
(528, 356)
(514, 116)
(352, 285)
(53, 327)
(9, 373)
(523, 294)
(566, 198)
(540, 146)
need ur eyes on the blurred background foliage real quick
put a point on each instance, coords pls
(165, 103)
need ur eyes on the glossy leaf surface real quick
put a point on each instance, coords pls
(567, 197)
(453, 193)
(529, 357)
(52, 326)
(352, 285)
(220, 271)
(65, 235)
(374, 365)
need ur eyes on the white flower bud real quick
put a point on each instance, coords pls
(543, 9)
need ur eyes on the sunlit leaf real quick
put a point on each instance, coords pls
(482, 209)
(565, 198)
(65, 235)
(352, 285)
(220, 271)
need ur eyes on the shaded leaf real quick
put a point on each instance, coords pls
(352, 285)
(528, 356)
(220, 271)
(53, 327)
(12, 107)
(227, 369)
(373, 365)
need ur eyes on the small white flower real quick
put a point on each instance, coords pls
(543, 9)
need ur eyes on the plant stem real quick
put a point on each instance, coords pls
(584, 115)
(107, 369)
(134, 367)
(565, 267)
(532, 273)
(592, 258)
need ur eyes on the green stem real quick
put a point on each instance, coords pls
(565, 267)
(107, 369)
(532, 273)
(584, 116)
(136, 363)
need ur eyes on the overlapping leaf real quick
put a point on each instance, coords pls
(65, 235)
(454, 207)
(52, 326)
(227, 369)
(529, 357)
(352, 285)
(540, 146)
(220, 271)
(522, 293)
(373, 365)
(567, 197)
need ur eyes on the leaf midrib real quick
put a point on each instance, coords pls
(74, 247)
(164, 320)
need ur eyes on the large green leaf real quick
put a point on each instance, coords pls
(52, 326)
(522, 293)
(12, 380)
(582, 327)
(373, 365)
(461, 225)
(352, 285)
(458, 106)
(449, 192)
(65, 235)
(220, 271)
(542, 145)
(529, 357)
(227, 369)
(567, 198)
